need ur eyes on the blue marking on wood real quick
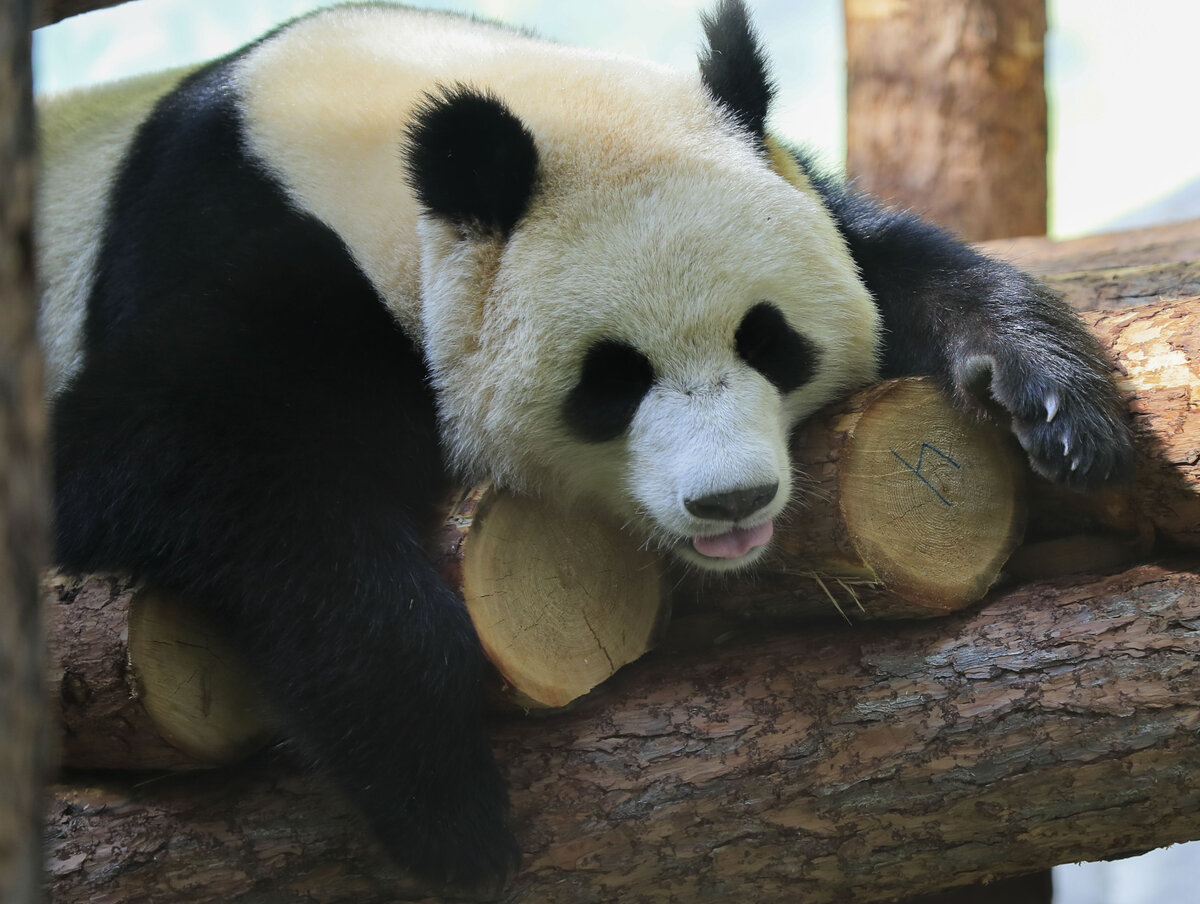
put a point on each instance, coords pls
(920, 463)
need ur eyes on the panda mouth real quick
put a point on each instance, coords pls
(736, 543)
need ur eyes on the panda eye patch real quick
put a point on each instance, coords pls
(614, 378)
(766, 342)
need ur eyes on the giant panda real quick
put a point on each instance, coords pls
(293, 293)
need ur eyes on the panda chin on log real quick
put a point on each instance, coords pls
(294, 294)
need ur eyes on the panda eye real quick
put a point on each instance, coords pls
(766, 342)
(614, 378)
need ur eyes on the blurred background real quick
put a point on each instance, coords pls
(1120, 77)
(1123, 150)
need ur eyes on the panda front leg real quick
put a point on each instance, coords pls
(994, 335)
(292, 508)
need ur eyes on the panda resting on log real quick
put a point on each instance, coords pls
(294, 293)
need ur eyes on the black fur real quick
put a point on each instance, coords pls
(471, 160)
(1001, 342)
(734, 67)
(253, 432)
(614, 378)
(767, 343)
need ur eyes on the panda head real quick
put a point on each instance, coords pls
(622, 300)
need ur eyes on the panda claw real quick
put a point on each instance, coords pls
(1051, 408)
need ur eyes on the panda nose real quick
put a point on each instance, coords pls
(732, 505)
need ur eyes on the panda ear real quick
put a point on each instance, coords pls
(470, 159)
(734, 68)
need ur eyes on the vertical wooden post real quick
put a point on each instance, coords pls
(23, 515)
(947, 110)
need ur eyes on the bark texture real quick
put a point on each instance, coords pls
(1160, 263)
(947, 110)
(1158, 349)
(23, 515)
(1055, 723)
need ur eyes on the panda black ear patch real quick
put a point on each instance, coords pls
(734, 68)
(470, 159)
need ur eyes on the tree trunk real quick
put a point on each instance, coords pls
(1055, 723)
(23, 515)
(947, 110)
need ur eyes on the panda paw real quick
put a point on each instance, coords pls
(1062, 407)
(453, 832)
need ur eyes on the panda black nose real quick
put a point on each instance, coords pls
(732, 505)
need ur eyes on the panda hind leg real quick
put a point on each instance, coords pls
(294, 514)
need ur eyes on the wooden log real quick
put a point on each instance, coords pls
(140, 681)
(946, 110)
(1101, 272)
(23, 478)
(1053, 724)
(560, 599)
(905, 509)
(1157, 349)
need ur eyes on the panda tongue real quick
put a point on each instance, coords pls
(734, 544)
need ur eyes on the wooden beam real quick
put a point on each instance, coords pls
(1056, 723)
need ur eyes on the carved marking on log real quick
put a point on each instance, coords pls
(921, 462)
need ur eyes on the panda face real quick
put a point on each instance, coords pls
(617, 296)
(653, 356)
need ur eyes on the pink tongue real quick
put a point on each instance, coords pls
(736, 543)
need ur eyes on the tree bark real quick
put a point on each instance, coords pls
(1157, 350)
(23, 515)
(946, 110)
(1055, 723)
(1144, 250)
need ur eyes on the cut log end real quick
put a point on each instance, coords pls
(560, 599)
(192, 682)
(933, 502)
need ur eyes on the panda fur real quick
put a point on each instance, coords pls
(291, 294)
